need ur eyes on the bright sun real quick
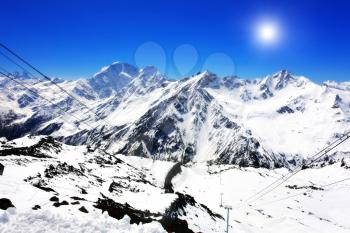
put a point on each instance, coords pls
(267, 32)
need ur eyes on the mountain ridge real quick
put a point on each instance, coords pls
(230, 120)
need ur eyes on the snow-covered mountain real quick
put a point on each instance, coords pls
(278, 120)
(112, 79)
(71, 169)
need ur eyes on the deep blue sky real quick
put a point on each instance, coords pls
(76, 38)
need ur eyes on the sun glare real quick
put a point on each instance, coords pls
(267, 32)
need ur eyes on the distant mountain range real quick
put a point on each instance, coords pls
(279, 120)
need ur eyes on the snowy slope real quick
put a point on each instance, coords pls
(308, 202)
(49, 183)
(45, 177)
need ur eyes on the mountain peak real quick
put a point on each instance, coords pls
(283, 75)
(207, 73)
(280, 79)
(149, 71)
(113, 78)
(149, 76)
(117, 68)
(207, 79)
(23, 75)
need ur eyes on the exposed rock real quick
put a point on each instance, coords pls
(36, 207)
(58, 204)
(312, 187)
(54, 198)
(118, 211)
(62, 169)
(37, 150)
(5, 203)
(78, 198)
(83, 209)
(285, 109)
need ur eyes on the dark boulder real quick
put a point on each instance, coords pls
(2, 167)
(5, 203)
(36, 207)
(83, 209)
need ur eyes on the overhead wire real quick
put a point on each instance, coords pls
(280, 181)
(35, 92)
(49, 79)
(304, 192)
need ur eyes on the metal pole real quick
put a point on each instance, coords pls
(228, 216)
(221, 199)
(228, 224)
